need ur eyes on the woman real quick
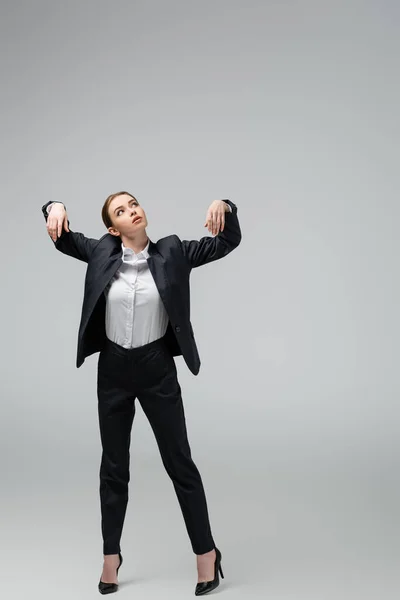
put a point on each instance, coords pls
(136, 313)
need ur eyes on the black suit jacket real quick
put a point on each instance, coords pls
(170, 262)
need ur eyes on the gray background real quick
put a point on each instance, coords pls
(291, 110)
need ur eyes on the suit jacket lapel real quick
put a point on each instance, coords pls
(156, 264)
(155, 261)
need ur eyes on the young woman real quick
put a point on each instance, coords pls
(136, 314)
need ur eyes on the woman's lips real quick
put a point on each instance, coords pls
(137, 219)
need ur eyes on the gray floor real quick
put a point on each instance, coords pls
(287, 531)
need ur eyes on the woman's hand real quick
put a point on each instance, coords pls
(215, 220)
(56, 220)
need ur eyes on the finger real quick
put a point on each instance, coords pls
(218, 223)
(59, 227)
(50, 229)
(53, 229)
(212, 223)
(222, 220)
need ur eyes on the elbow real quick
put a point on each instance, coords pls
(238, 238)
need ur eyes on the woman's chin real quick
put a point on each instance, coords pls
(138, 225)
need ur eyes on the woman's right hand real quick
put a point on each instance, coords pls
(56, 220)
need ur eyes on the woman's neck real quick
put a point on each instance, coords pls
(137, 244)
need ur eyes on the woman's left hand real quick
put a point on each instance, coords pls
(215, 220)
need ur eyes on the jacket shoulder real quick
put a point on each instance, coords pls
(168, 241)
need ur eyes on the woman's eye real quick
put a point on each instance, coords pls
(133, 204)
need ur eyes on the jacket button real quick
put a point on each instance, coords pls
(177, 329)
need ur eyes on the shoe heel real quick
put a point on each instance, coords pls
(220, 570)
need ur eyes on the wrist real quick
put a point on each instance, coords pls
(50, 206)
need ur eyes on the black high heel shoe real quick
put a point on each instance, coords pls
(207, 586)
(108, 588)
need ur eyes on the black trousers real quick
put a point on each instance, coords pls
(148, 373)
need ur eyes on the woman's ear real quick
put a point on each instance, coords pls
(113, 231)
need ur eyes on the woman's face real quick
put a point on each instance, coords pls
(127, 215)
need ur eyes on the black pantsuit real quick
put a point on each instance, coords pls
(148, 373)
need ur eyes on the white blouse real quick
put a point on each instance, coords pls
(135, 313)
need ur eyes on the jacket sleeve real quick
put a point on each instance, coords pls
(73, 243)
(208, 249)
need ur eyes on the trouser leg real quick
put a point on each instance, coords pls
(116, 410)
(162, 403)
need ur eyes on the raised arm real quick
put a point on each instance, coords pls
(208, 249)
(69, 242)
